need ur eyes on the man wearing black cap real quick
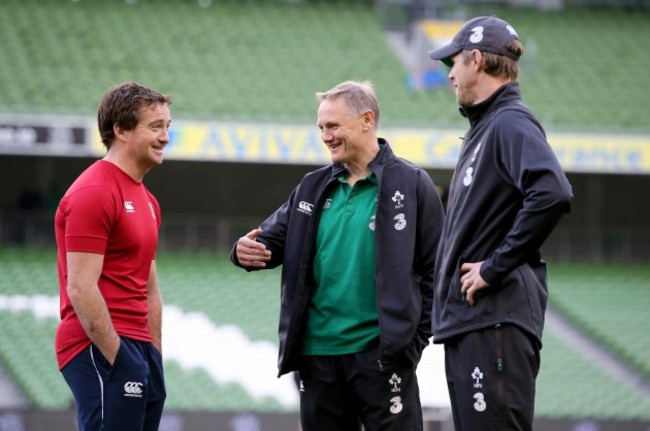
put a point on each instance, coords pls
(507, 194)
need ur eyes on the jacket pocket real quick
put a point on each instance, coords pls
(413, 351)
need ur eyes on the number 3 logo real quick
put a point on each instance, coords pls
(477, 34)
(396, 406)
(467, 179)
(480, 404)
(401, 221)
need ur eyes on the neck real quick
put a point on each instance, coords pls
(127, 165)
(360, 167)
(490, 85)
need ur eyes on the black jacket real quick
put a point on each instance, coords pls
(507, 194)
(406, 234)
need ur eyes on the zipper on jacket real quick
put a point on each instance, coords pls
(380, 365)
(500, 377)
(499, 355)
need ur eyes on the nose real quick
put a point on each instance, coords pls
(164, 137)
(326, 136)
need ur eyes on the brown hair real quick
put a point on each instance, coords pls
(121, 105)
(500, 65)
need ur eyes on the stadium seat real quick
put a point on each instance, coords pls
(606, 300)
(264, 60)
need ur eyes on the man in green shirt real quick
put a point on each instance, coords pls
(357, 242)
(342, 320)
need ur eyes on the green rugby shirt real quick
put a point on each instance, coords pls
(343, 311)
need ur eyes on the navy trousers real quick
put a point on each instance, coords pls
(128, 396)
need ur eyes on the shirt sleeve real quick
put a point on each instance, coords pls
(90, 213)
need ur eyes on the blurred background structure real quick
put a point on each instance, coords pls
(243, 76)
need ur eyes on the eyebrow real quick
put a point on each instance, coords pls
(160, 120)
(328, 124)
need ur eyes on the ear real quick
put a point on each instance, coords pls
(477, 60)
(368, 120)
(119, 132)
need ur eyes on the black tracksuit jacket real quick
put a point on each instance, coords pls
(405, 255)
(507, 194)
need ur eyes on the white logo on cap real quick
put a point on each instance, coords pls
(477, 34)
(512, 30)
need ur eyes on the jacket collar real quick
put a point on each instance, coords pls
(505, 94)
(377, 164)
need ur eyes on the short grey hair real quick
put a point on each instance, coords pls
(358, 95)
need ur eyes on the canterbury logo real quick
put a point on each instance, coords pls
(305, 207)
(133, 389)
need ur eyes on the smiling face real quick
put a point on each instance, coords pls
(342, 130)
(145, 143)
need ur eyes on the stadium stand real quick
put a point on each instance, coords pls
(570, 385)
(573, 386)
(201, 283)
(585, 69)
(609, 304)
(264, 59)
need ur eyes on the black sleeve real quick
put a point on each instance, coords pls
(526, 160)
(429, 228)
(273, 236)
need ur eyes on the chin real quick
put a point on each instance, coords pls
(156, 159)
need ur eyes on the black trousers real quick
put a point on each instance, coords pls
(344, 392)
(491, 378)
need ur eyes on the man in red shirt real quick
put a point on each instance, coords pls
(108, 343)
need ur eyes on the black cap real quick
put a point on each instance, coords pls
(485, 33)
